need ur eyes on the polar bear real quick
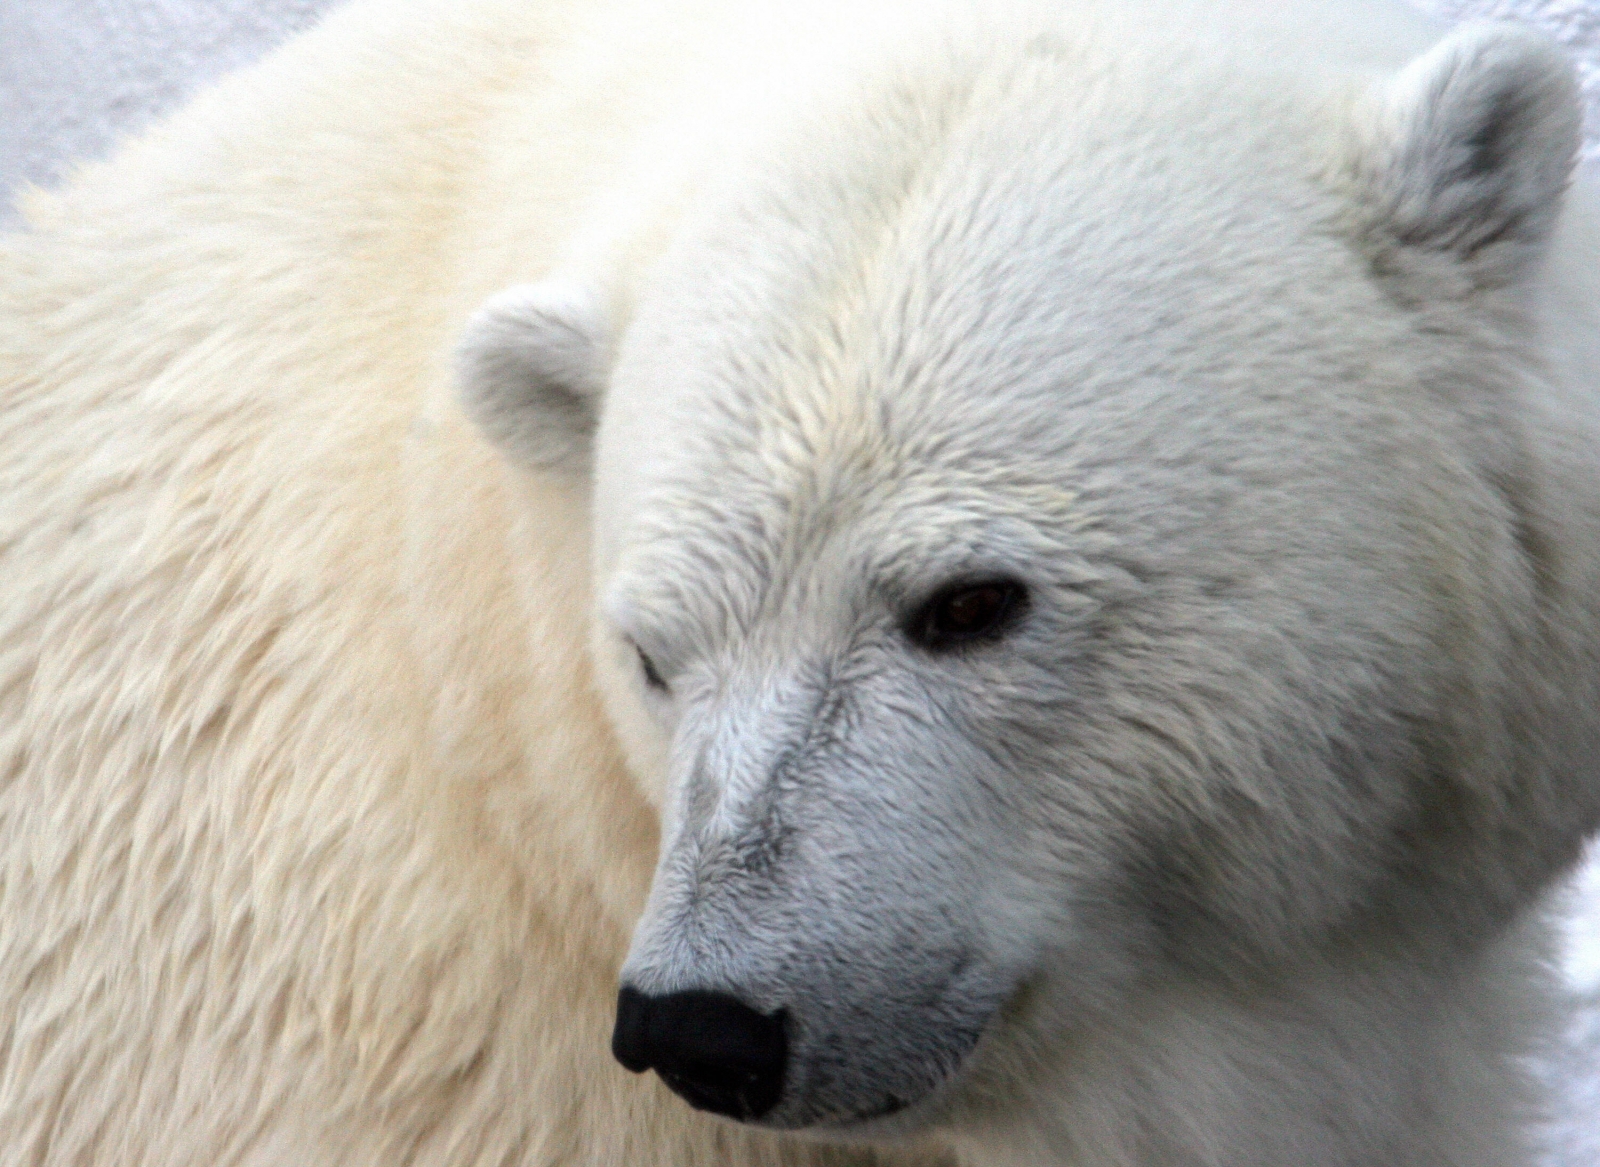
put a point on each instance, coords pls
(1007, 580)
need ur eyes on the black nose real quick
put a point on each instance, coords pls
(715, 1052)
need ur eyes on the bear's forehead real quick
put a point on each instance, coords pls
(950, 346)
(802, 545)
(966, 279)
(952, 323)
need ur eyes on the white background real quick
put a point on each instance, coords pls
(77, 74)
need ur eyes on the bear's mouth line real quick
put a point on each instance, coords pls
(894, 1105)
(989, 1005)
(891, 1104)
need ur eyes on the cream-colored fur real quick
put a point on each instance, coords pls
(314, 848)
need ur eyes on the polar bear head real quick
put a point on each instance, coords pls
(1055, 531)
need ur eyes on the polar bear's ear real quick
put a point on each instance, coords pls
(1469, 148)
(531, 368)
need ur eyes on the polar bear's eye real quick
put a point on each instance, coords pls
(651, 677)
(967, 612)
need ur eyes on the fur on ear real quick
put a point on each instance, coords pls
(531, 368)
(1466, 152)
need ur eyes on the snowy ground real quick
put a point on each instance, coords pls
(74, 74)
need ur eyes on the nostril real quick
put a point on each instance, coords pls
(713, 1050)
(630, 1040)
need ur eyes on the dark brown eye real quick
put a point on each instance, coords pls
(651, 677)
(967, 612)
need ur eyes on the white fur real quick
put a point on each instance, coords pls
(327, 815)
(532, 364)
(1471, 145)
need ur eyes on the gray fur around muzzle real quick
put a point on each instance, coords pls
(794, 969)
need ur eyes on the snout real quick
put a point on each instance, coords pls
(711, 1049)
(838, 1058)
(814, 954)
